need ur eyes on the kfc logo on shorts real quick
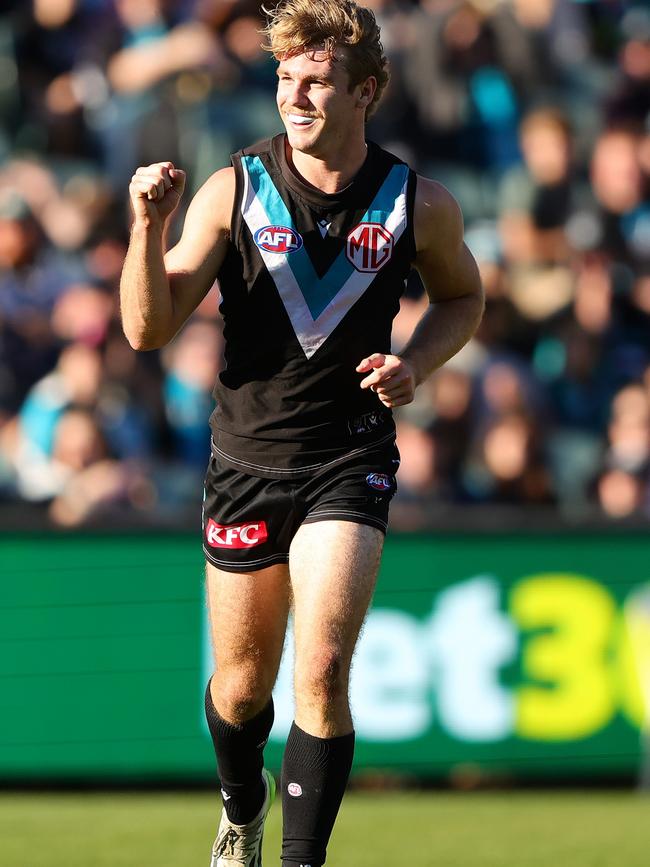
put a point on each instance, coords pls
(294, 789)
(369, 247)
(278, 239)
(379, 481)
(235, 535)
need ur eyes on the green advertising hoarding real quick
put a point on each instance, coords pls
(512, 654)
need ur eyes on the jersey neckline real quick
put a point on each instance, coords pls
(313, 195)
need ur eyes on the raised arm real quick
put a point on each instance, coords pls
(158, 290)
(452, 282)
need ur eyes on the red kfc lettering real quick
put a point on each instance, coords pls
(235, 535)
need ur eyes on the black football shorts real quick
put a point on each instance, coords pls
(249, 522)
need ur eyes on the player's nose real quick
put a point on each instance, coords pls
(298, 96)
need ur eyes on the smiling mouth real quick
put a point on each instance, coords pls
(300, 120)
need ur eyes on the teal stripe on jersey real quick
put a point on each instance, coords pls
(317, 291)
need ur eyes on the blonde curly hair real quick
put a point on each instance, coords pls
(294, 26)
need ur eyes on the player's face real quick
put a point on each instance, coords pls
(317, 106)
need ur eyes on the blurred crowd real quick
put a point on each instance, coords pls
(534, 113)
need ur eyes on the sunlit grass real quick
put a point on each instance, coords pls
(505, 829)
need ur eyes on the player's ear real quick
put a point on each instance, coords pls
(367, 92)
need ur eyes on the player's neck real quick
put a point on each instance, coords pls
(328, 173)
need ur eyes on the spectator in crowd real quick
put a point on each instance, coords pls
(622, 485)
(536, 197)
(620, 189)
(88, 483)
(191, 365)
(508, 468)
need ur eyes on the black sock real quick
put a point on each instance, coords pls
(239, 750)
(315, 772)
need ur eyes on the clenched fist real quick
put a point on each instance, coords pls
(155, 192)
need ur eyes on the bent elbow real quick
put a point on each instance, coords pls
(142, 341)
(481, 302)
(140, 345)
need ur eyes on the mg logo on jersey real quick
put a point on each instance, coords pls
(369, 247)
(278, 239)
(235, 535)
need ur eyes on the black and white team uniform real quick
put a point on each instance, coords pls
(310, 285)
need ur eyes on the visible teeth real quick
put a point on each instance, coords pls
(300, 119)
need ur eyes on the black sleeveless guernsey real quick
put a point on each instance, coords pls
(310, 285)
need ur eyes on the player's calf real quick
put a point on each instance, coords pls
(239, 750)
(315, 772)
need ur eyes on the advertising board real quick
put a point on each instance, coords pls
(519, 655)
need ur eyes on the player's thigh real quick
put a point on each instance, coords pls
(333, 566)
(248, 618)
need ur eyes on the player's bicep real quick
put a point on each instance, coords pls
(445, 279)
(193, 263)
(444, 262)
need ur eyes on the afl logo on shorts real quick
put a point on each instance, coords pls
(369, 247)
(379, 481)
(278, 239)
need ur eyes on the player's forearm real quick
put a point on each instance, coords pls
(145, 296)
(443, 330)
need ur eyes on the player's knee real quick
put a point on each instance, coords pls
(240, 695)
(239, 705)
(323, 678)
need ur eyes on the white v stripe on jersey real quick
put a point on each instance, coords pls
(313, 332)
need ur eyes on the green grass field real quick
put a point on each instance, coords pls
(511, 829)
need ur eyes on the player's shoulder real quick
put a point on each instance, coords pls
(432, 199)
(437, 214)
(438, 220)
(435, 200)
(219, 183)
(215, 199)
(213, 202)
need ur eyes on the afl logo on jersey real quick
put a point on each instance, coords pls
(278, 239)
(369, 246)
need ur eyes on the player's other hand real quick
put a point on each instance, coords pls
(155, 192)
(392, 378)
